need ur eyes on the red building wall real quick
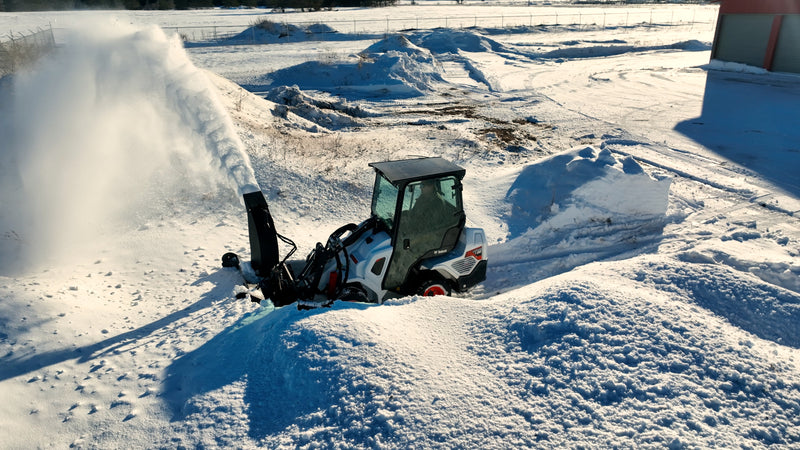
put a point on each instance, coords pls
(778, 9)
(759, 7)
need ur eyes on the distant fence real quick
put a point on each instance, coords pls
(22, 50)
(572, 17)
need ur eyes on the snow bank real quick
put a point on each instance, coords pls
(592, 50)
(593, 359)
(115, 128)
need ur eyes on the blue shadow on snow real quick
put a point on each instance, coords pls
(12, 365)
(752, 120)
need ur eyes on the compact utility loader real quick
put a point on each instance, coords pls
(415, 242)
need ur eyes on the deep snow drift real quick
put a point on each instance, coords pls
(642, 289)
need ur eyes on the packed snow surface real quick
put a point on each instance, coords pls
(643, 287)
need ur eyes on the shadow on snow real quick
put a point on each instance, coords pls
(12, 366)
(281, 362)
(743, 112)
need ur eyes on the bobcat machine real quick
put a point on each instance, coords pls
(415, 242)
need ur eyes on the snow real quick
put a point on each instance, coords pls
(641, 203)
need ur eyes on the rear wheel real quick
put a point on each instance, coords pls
(433, 287)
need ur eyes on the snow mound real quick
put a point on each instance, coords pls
(452, 41)
(584, 186)
(330, 114)
(584, 360)
(592, 50)
(268, 32)
(390, 68)
(574, 208)
(727, 66)
(397, 43)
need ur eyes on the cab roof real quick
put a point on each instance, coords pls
(408, 170)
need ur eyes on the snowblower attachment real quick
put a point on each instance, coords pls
(275, 277)
(263, 237)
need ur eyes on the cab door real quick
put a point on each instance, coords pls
(429, 223)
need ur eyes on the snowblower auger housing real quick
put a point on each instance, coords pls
(414, 242)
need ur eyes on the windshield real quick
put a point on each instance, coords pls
(384, 201)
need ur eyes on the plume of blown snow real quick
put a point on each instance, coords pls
(113, 129)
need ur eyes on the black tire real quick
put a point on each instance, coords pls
(353, 293)
(230, 260)
(433, 287)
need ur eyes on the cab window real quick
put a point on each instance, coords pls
(384, 201)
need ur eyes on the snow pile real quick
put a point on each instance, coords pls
(585, 360)
(268, 32)
(396, 43)
(332, 115)
(574, 208)
(112, 130)
(745, 248)
(727, 66)
(392, 68)
(453, 41)
(592, 50)
(582, 187)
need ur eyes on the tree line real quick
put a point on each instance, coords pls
(55, 5)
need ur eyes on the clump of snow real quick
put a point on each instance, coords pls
(744, 250)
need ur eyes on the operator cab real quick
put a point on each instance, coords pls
(418, 203)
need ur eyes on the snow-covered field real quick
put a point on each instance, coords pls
(641, 203)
